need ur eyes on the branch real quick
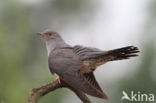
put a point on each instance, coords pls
(37, 93)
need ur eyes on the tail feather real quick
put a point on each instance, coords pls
(123, 53)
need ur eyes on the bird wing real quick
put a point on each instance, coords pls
(87, 52)
(80, 82)
(67, 65)
(91, 79)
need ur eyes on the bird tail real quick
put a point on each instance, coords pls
(122, 53)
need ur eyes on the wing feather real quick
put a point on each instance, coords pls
(87, 52)
(79, 81)
(67, 65)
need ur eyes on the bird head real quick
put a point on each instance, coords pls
(48, 34)
(52, 39)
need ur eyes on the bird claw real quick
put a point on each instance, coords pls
(59, 80)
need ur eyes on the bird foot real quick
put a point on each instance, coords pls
(59, 80)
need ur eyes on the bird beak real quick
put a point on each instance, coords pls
(41, 34)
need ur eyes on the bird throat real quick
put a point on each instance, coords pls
(53, 44)
(49, 48)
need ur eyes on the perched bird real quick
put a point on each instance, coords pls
(75, 64)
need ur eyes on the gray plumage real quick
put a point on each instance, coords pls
(75, 65)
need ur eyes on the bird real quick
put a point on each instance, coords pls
(75, 65)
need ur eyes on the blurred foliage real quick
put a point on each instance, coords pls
(14, 48)
(19, 53)
(143, 81)
(23, 59)
(20, 48)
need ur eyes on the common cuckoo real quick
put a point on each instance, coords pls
(75, 64)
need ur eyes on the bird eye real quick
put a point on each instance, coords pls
(49, 34)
